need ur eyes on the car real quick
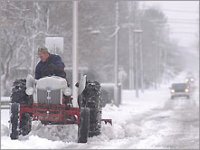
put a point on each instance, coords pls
(49, 100)
(180, 90)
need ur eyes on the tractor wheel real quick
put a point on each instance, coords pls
(91, 98)
(25, 124)
(14, 121)
(84, 126)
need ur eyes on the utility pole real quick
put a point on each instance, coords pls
(136, 63)
(141, 63)
(159, 54)
(140, 48)
(131, 60)
(155, 64)
(116, 51)
(138, 54)
(156, 61)
(159, 62)
(75, 52)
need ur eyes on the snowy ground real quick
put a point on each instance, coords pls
(151, 121)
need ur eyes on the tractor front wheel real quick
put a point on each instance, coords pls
(26, 124)
(84, 126)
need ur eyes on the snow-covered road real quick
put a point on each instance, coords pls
(151, 121)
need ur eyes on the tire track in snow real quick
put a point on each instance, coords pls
(177, 121)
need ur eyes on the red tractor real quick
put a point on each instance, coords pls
(49, 101)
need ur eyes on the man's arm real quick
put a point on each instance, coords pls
(57, 66)
(59, 63)
(37, 72)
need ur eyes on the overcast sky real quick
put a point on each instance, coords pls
(183, 18)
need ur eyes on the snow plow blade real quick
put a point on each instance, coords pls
(107, 121)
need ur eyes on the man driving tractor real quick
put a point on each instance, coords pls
(49, 100)
(49, 65)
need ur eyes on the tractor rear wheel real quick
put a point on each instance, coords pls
(95, 122)
(14, 121)
(91, 98)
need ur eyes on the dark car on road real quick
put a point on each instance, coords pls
(180, 90)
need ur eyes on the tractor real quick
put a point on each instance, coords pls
(49, 101)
